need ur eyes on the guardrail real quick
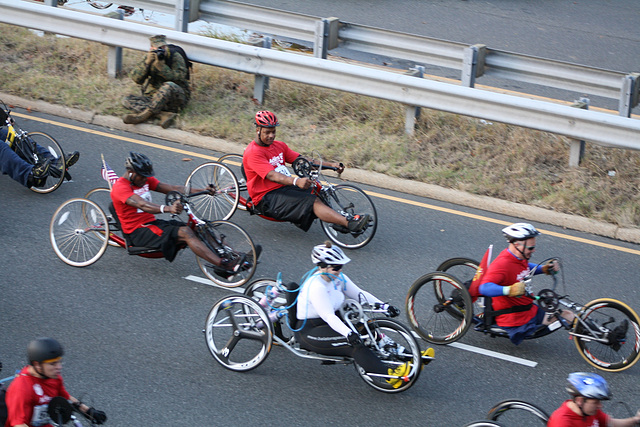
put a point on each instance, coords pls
(575, 123)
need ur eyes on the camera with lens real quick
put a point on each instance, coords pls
(160, 53)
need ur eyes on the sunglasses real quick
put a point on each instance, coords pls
(528, 247)
(336, 267)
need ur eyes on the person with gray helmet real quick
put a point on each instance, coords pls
(37, 383)
(163, 77)
(584, 409)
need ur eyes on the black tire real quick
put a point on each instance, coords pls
(350, 200)
(100, 4)
(620, 350)
(224, 202)
(238, 333)
(102, 197)
(77, 232)
(464, 269)
(439, 308)
(409, 353)
(257, 290)
(514, 412)
(26, 150)
(484, 423)
(227, 240)
(234, 162)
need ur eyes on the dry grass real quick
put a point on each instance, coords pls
(452, 151)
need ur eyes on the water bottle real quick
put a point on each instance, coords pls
(270, 294)
(274, 316)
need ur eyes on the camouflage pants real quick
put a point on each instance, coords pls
(169, 97)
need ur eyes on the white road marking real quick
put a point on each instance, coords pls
(495, 354)
(210, 283)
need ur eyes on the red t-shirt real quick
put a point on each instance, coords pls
(506, 270)
(258, 161)
(132, 218)
(28, 398)
(565, 417)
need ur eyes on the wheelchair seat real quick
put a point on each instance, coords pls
(293, 289)
(131, 250)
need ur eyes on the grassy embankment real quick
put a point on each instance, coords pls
(448, 150)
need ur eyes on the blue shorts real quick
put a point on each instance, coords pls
(518, 333)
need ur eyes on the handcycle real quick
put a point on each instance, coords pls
(240, 331)
(34, 147)
(81, 230)
(440, 309)
(346, 199)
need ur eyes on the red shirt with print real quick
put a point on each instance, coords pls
(565, 417)
(132, 218)
(258, 161)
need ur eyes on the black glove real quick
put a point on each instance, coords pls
(354, 339)
(393, 311)
(98, 417)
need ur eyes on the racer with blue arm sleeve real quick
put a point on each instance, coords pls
(503, 281)
(322, 331)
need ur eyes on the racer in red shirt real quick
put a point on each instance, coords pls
(277, 194)
(584, 409)
(29, 394)
(503, 283)
(131, 197)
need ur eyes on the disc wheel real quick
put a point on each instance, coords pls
(405, 350)
(46, 147)
(349, 200)
(518, 413)
(102, 198)
(234, 162)
(257, 290)
(223, 203)
(439, 308)
(77, 232)
(616, 344)
(238, 333)
(228, 241)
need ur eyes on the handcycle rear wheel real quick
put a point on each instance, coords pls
(234, 162)
(407, 350)
(53, 150)
(227, 240)
(463, 269)
(520, 413)
(77, 232)
(257, 290)
(102, 197)
(622, 349)
(439, 308)
(347, 199)
(224, 202)
(238, 333)
(484, 423)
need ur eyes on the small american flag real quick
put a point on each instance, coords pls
(108, 174)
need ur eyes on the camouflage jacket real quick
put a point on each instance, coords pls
(159, 72)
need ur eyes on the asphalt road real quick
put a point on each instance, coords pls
(132, 326)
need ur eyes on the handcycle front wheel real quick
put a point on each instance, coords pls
(615, 322)
(349, 200)
(405, 350)
(484, 423)
(53, 151)
(518, 412)
(439, 308)
(77, 232)
(229, 241)
(234, 162)
(238, 333)
(102, 197)
(223, 203)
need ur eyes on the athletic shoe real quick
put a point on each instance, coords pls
(401, 371)
(72, 159)
(358, 223)
(427, 356)
(39, 173)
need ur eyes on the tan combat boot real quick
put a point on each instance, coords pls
(134, 119)
(166, 119)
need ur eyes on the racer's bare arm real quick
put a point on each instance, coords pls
(150, 207)
(626, 422)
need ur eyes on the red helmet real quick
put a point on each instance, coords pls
(266, 119)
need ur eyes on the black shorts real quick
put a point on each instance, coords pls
(159, 234)
(291, 204)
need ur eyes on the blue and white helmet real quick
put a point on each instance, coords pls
(591, 386)
(328, 254)
(519, 231)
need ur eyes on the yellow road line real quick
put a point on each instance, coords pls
(371, 193)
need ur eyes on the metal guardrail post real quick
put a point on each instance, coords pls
(261, 83)
(473, 64)
(326, 37)
(576, 149)
(629, 94)
(114, 56)
(413, 112)
(53, 3)
(182, 15)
